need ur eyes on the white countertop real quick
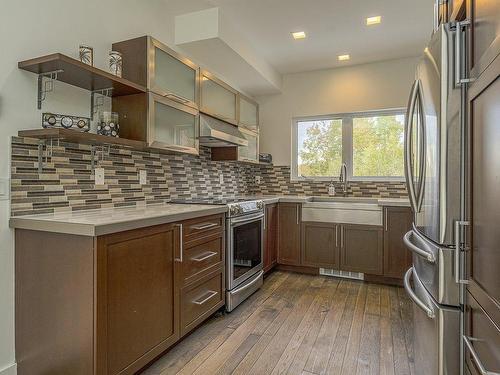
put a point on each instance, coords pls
(110, 220)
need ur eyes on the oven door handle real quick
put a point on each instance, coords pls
(246, 218)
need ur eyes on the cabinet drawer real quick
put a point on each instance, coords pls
(204, 255)
(203, 226)
(201, 300)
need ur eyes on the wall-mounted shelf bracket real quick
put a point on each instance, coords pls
(46, 86)
(98, 102)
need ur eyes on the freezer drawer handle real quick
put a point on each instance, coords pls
(413, 296)
(428, 255)
(468, 343)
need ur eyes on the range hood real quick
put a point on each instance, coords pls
(217, 133)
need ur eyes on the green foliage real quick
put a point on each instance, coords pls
(377, 147)
(321, 152)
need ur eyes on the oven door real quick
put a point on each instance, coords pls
(245, 239)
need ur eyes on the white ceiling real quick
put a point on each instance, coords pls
(333, 27)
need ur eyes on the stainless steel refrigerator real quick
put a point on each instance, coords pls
(434, 168)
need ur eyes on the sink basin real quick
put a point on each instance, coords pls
(350, 210)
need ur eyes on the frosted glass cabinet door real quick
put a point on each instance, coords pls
(249, 113)
(218, 99)
(173, 126)
(250, 152)
(173, 76)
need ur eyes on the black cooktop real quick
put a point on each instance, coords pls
(214, 201)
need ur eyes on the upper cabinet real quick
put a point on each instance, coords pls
(162, 70)
(218, 99)
(251, 152)
(249, 113)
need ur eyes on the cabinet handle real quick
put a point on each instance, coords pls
(459, 55)
(385, 219)
(297, 214)
(181, 244)
(204, 226)
(342, 237)
(206, 299)
(177, 98)
(458, 274)
(204, 257)
(336, 236)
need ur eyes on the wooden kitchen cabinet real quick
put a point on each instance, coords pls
(397, 257)
(289, 234)
(320, 245)
(361, 248)
(111, 304)
(271, 237)
(484, 46)
(137, 297)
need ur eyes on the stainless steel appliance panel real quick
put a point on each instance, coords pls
(245, 242)
(433, 141)
(435, 266)
(436, 331)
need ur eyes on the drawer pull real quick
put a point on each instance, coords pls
(468, 343)
(204, 257)
(204, 226)
(206, 299)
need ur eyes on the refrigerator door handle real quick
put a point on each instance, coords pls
(459, 55)
(419, 196)
(408, 127)
(426, 254)
(413, 296)
(458, 249)
(468, 343)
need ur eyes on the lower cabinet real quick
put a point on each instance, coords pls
(289, 234)
(113, 303)
(270, 256)
(361, 249)
(397, 257)
(137, 297)
(320, 245)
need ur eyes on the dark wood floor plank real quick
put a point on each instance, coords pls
(319, 356)
(268, 360)
(337, 354)
(401, 363)
(386, 350)
(316, 313)
(302, 324)
(307, 344)
(350, 363)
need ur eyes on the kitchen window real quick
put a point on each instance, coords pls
(370, 143)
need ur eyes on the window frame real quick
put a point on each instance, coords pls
(347, 144)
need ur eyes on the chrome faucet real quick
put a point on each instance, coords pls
(343, 178)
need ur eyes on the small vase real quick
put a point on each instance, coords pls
(86, 55)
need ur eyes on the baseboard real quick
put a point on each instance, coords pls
(9, 370)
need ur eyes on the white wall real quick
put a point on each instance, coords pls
(32, 28)
(380, 85)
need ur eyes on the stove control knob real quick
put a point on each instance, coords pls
(260, 205)
(234, 210)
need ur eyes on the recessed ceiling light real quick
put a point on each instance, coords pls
(373, 20)
(343, 57)
(298, 35)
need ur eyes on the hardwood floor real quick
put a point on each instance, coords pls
(302, 324)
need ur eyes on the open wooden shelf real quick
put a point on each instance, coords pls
(75, 136)
(78, 74)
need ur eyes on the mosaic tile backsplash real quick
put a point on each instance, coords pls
(66, 181)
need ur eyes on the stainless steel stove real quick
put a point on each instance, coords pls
(244, 246)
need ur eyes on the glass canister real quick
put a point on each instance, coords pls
(108, 124)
